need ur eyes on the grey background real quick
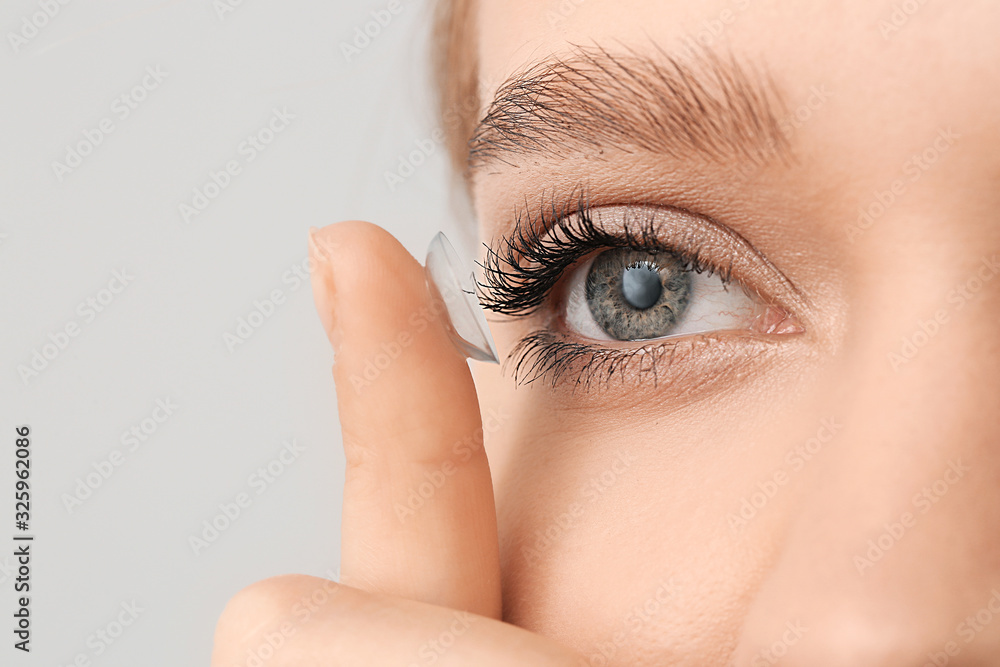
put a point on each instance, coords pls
(162, 337)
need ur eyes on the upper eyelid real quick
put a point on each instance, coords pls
(676, 229)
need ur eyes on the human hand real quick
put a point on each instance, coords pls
(420, 581)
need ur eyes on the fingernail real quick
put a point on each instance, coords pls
(321, 275)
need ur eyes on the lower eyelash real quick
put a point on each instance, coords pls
(544, 354)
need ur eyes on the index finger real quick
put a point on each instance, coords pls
(419, 519)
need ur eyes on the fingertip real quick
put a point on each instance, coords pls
(349, 260)
(370, 292)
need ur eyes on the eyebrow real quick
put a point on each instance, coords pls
(705, 104)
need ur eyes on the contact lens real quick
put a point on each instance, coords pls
(449, 279)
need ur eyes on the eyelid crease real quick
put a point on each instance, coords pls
(520, 270)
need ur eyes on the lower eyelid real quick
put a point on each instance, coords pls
(682, 364)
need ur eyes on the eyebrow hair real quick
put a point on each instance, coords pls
(704, 105)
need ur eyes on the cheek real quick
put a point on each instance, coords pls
(606, 549)
(613, 512)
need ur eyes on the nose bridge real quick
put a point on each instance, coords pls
(919, 400)
(894, 541)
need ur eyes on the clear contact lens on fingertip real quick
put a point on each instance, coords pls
(455, 284)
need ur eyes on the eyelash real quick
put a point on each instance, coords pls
(521, 271)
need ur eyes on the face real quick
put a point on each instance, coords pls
(750, 408)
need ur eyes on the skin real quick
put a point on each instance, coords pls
(822, 502)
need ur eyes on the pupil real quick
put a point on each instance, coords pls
(641, 286)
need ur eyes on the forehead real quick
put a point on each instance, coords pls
(864, 85)
(887, 55)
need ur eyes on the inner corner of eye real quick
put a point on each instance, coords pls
(629, 295)
(775, 320)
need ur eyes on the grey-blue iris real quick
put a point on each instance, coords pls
(636, 295)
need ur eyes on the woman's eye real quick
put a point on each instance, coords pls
(596, 279)
(625, 294)
(633, 295)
